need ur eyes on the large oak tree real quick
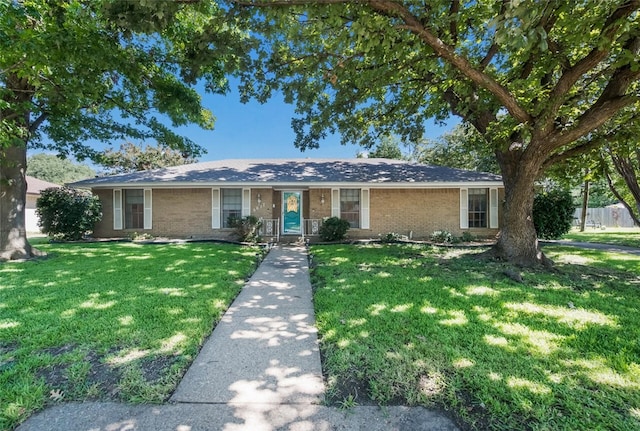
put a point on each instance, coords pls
(81, 71)
(531, 76)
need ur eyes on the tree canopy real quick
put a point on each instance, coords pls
(532, 77)
(132, 158)
(461, 148)
(76, 72)
(48, 167)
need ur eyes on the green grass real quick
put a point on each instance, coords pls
(440, 328)
(629, 237)
(109, 321)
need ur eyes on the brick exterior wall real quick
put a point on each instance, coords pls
(186, 213)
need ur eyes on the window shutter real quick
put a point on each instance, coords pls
(215, 208)
(147, 209)
(464, 209)
(364, 209)
(335, 202)
(246, 202)
(493, 208)
(117, 209)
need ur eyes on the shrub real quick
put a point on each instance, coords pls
(467, 237)
(442, 237)
(67, 214)
(334, 229)
(390, 237)
(553, 213)
(246, 228)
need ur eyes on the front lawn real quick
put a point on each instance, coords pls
(629, 237)
(118, 321)
(437, 327)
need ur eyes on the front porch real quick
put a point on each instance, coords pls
(272, 229)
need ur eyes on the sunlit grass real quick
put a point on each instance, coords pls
(109, 321)
(559, 351)
(629, 237)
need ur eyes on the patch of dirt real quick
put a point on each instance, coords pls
(7, 359)
(103, 378)
(156, 368)
(351, 389)
(359, 392)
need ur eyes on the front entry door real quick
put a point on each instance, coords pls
(292, 213)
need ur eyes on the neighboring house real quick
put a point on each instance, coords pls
(292, 197)
(34, 187)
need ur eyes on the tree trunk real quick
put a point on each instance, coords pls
(518, 241)
(13, 197)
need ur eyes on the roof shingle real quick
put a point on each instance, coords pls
(295, 172)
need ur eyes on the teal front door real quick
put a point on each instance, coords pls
(292, 213)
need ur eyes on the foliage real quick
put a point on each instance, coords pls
(67, 214)
(334, 229)
(429, 326)
(48, 167)
(553, 213)
(132, 158)
(531, 77)
(467, 236)
(137, 236)
(247, 229)
(461, 148)
(388, 148)
(619, 159)
(78, 72)
(390, 237)
(442, 237)
(67, 327)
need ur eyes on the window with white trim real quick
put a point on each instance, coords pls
(350, 206)
(133, 208)
(477, 209)
(231, 205)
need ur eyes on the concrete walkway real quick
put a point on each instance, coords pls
(259, 370)
(594, 246)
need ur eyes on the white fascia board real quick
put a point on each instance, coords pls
(298, 186)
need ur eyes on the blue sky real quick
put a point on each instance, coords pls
(255, 130)
(263, 131)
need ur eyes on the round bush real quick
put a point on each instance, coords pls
(553, 213)
(67, 214)
(334, 229)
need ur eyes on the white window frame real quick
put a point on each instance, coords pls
(118, 213)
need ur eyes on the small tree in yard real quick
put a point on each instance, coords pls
(67, 214)
(553, 213)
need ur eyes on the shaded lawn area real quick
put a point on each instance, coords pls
(118, 321)
(629, 237)
(438, 327)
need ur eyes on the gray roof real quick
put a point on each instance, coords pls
(295, 172)
(35, 185)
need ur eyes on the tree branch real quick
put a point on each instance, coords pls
(588, 62)
(413, 24)
(35, 124)
(448, 54)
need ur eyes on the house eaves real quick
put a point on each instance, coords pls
(297, 173)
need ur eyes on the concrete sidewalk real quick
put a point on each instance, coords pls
(259, 370)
